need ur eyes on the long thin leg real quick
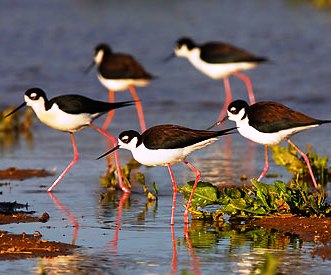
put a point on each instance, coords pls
(72, 163)
(139, 108)
(197, 178)
(111, 113)
(248, 84)
(306, 160)
(266, 163)
(117, 159)
(174, 190)
(228, 98)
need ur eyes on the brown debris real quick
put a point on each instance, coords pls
(20, 246)
(313, 229)
(310, 229)
(21, 174)
(22, 218)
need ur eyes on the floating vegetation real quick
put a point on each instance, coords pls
(16, 122)
(12, 127)
(260, 199)
(256, 201)
(129, 174)
(288, 157)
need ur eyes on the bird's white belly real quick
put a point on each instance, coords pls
(268, 138)
(217, 71)
(162, 157)
(118, 85)
(65, 122)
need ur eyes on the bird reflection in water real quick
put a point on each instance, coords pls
(68, 214)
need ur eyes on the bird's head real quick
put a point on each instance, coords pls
(100, 51)
(237, 110)
(184, 46)
(127, 140)
(34, 97)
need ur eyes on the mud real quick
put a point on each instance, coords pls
(20, 246)
(21, 174)
(313, 229)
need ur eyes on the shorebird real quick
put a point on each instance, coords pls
(219, 60)
(269, 123)
(71, 113)
(165, 145)
(118, 72)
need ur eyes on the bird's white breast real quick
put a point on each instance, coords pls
(118, 85)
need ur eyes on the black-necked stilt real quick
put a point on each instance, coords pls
(269, 123)
(164, 145)
(118, 72)
(71, 113)
(219, 60)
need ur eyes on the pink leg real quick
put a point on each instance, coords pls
(197, 178)
(174, 190)
(306, 160)
(139, 108)
(117, 159)
(249, 86)
(110, 113)
(228, 98)
(266, 163)
(72, 163)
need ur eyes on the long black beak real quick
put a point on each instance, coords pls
(88, 69)
(169, 57)
(16, 109)
(218, 122)
(109, 152)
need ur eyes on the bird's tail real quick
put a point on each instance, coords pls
(324, 121)
(117, 105)
(226, 131)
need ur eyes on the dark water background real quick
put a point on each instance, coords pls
(48, 44)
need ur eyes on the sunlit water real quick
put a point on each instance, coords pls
(49, 43)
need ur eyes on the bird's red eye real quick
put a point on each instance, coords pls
(125, 139)
(33, 96)
(234, 110)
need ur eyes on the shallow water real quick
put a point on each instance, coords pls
(48, 44)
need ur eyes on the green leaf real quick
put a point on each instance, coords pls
(205, 193)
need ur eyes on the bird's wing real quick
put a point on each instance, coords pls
(76, 104)
(217, 52)
(271, 117)
(123, 66)
(174, 136)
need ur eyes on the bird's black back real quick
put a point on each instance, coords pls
(218, 52)
(76, 104)
(269, 117)
(174, 136)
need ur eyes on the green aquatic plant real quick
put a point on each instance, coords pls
(129, 174)
(288, 157)
(109, 180)
(256, 201)
(17, 122)
(260, 199)
(15, 126)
